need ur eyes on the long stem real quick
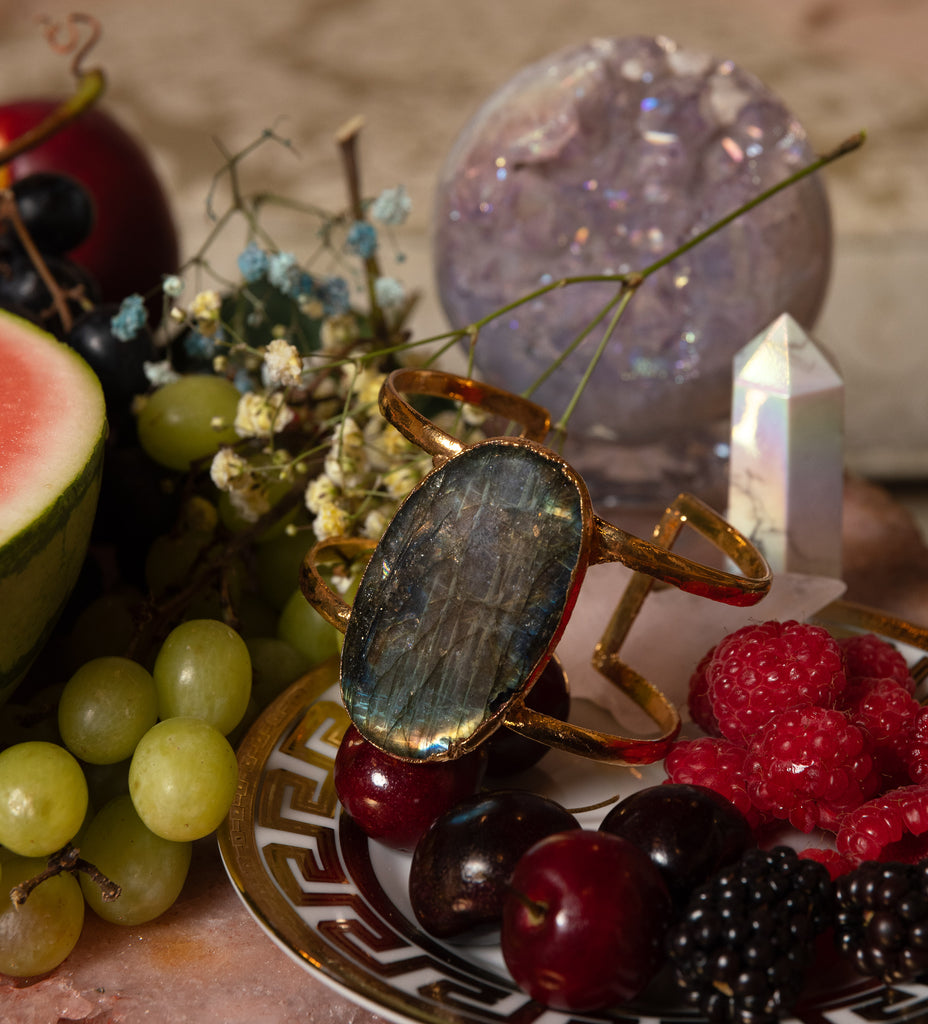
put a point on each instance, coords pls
(347, 138)
(624, 298)
(849, 145)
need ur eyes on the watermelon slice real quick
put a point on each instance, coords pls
(52, 429)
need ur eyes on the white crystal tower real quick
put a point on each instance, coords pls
(787, 450)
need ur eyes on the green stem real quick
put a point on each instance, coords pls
(90, 88)
(90, 85)
(849, 145)
(624, 297)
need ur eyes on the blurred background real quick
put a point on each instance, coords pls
(189, 77)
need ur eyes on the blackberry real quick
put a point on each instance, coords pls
(742, 946)
(881, 919)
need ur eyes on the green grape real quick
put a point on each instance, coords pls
(149, 870)
(301, 626)
(275, 665)
(203, 670)
(182, 778)
(188, 420)
(37, 936)
(277, 565)
(43, 798)
(107, 706)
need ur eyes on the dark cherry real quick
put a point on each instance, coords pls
(460, 869)
(584, 922)
(395, 801)
(119, 364)
(509, 752)
(689, 832)
(55, 209)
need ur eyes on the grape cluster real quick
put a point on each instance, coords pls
(133, 767)
(46, 217)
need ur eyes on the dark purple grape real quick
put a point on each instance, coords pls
(689, 832)
(119, 364)
(509, 752)
(461, 867)
(23, 288)
(55, 209)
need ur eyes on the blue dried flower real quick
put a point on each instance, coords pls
(242, 380)
(252, 262)
(389, 292)
(130, 319)
(284, 273)
(199, 346)
(362, 239)
(392, 206)
(335, 296)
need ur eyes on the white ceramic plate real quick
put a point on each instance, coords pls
(338, 904)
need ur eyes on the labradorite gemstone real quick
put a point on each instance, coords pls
(463, 597)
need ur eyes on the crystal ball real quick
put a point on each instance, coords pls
(601, 160)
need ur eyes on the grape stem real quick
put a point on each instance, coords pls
(68, 858)
(9, 211)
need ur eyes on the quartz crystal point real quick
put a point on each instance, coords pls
(787, 453)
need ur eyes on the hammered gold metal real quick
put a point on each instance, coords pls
(844, 617)
(441, 445)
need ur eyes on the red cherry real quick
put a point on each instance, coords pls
(584, 923)
(134, 240)
(395, 801)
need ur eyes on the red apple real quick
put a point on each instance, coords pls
(134, 240)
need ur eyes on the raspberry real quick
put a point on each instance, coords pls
(697, 702)
(887, 712)
(867, 655)
(891, 827)
(763, 669)
(917, 754)
(716, 764)
(743, 945)
(809, 766)
(881, 920)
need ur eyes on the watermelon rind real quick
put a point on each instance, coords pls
(45, 526)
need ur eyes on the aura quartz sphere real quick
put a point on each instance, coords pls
(602, 159)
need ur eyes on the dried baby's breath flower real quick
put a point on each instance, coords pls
(283, 366)
(249, 497)
(226, 466)
(319, 491)
(261, 415)
(331, 521)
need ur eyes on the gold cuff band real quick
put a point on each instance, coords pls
(436, 618)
